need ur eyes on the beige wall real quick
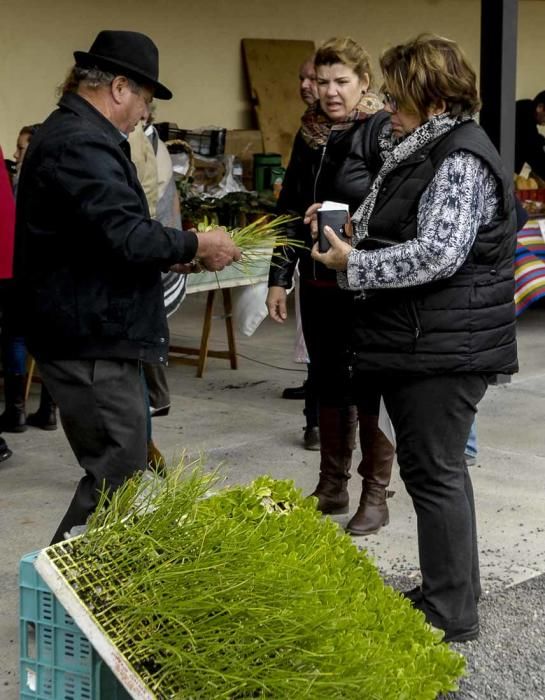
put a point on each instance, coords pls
(200, 45)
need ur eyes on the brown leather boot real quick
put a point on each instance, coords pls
(376, 469)
(156, 461)
(337, 437)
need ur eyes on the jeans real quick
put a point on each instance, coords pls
(471, 444)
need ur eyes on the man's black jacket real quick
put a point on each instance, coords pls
(88, 257)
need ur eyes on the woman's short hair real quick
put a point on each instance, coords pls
(346, 51)
(427, 70)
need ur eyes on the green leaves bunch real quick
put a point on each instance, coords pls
(247, 593)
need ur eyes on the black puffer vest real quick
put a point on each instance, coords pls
(465, 323)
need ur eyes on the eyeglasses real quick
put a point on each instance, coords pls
(390, 101)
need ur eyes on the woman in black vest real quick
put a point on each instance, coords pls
(432, 256)
(335, 156)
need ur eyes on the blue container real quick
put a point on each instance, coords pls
(57, 661)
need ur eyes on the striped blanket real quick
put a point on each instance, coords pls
(529, 266)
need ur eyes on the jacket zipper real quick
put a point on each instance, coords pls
(324, 148)
(417, 325)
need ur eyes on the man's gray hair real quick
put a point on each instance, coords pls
(92, 79)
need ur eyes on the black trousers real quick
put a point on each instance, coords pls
(432, 416)
(103, 413)
(326, 318)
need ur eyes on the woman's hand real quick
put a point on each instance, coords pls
(311, 219)
(336, 257)
(276, 303)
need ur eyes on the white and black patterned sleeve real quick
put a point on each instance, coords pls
(461, 197)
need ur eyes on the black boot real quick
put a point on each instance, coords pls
(46, 415)
(337, 437)
(13, 420)
(376, 469)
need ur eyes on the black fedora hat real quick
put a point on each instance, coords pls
(125, 53)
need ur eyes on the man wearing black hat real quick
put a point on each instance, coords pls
(89, 262)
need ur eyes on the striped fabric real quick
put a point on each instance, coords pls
(529, 266)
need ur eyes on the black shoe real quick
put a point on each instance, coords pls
(5, 452)
(452, 634)
(45, 421)
(414, 595)
(295, 392)
(311, 438)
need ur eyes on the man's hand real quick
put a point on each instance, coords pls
(276, 303)
(216, 250)
(336, 257)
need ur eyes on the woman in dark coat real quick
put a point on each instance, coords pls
(334, 157)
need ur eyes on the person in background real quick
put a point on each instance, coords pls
(311, 436)
(432, 259)
(529, 142)
(154, 170)
(88, 262)
(7, 226)
(335, 155)
(14, 356)
(307, 81)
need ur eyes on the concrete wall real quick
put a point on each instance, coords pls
(200, 45)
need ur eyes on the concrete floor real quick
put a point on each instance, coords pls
(239, 419)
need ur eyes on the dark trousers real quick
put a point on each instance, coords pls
(103, 413)
(156, 380)
(432, 416)
(327, 318)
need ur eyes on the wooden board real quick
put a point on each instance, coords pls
(273, 72)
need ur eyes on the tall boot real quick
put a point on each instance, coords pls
(46, 415)
(13, 420)
(337, 437)
(376, 469)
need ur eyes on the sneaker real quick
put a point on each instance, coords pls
(5, 452)
(471, 461)
(311, 438)
(160, 411)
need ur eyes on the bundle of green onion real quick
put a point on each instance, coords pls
(247, 593)
(258, 239)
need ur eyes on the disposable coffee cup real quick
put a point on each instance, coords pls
(335, 215)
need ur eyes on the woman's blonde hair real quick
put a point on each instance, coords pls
(346, 51)
(427, 71)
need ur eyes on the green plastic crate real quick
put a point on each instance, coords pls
(57, 661)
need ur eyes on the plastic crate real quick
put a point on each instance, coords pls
(57, 661)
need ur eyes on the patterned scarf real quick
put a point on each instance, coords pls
(316, 126)
(424, 134)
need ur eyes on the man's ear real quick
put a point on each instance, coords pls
(118, 86)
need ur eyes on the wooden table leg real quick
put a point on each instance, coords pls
(205, 337)
(228, 308)
(177, 352)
